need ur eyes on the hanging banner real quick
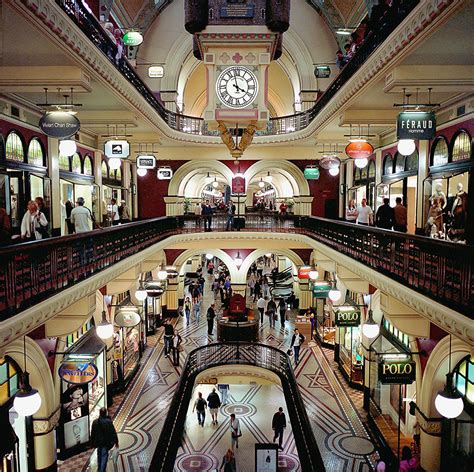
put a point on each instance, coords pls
(347, 316)
(416, 125)
(321, 289)
(78, 372)
(164, 173)
(59, 124)
(238, 184)
(393, 371)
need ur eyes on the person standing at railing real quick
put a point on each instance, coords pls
(34, 224)
(365, 214)
(81, 217)
(114, 210)
(124, 212)
(351, 212)
(207, 215)
(385, 215)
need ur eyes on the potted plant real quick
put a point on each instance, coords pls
(290, 203)
(186, 205)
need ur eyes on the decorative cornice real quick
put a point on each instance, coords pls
(42, 426)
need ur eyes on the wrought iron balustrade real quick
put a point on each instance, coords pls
(259, 355)
(32, 272)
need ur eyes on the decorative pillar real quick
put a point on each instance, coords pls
(45, 443)
(53, 171)
(172, 297)
(423, 170)
(102, 208)
(174, 206)
(303, 205)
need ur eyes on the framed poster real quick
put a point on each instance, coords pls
(266, 457)
(76, 432)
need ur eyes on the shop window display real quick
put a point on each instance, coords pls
(411, 162)
(350, 354)
(388, 165)
(325, 329)
(35, 153)
(399, 163)
(463, 379)
(76, 163)
(14, 149)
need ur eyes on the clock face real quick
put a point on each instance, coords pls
(237, 87)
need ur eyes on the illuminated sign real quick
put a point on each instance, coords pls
(359, 149)
(322, 72)
(321, 289)
(164, 173)
(396, 371)
(156, 72)
(146, 162)
(346, 316)
(303, 272)
(311, 173)
(416, 125)
(78, 372)
(127, 318)
(117, 148)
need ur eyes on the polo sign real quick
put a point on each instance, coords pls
(59, 124)
(347, 317)
(78, 372)
(416, 125)
(393, 371)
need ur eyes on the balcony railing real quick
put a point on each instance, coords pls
(89, 24)
(266, 357)
(32, 272)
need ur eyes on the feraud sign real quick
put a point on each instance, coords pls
(78, 372)
(347, 317)
(396, 371)
(416, 125)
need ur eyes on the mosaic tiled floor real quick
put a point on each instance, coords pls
(341, 437)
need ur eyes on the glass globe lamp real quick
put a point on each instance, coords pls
(313, 274)
(104, 329)
(141, 172)
(370, 328)
(406, 147)
(27, 400)
(114, 163)
(361, 162)
(334, 171)
(448, 402)
(334, 294)
(67, 147)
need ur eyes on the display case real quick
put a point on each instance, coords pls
(325, 329)
(350, 356)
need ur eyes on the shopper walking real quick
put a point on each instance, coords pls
(200, 406)
(124, 212)
(81, 217)
(408, 463)
(271, 312)
(187, 310)
(278, 426)
(365, 214)
(103, 437)
(214, 403)
(168, 337)
(211, 314)
(197, 311)
(177, 348)
(400, 219)
(34, 224)
(256, 290)
(261, 307)
(228, 462)
(235, 432)
(282, 310)
(296, 342)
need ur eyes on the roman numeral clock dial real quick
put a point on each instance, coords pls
(237, 87)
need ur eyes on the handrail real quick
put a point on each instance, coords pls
(89, 24)
(32, 272)
(255, 354)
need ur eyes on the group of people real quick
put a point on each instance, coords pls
(387, 217)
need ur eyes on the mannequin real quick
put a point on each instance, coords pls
(440, 195)
(459, 212)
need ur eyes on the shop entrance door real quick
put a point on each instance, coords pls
(12, 197)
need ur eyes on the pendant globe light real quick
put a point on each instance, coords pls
(261, 183)
(370, 328)
(104, 329)
(162, 274)
(334, 171)
(209, 256)
(67, 147)
(334, 294)
(114, 163)
(141, 172)
(27, 400)
(313, 274)
(406, 147)
(449, 402)
(238, 260)
(141, 293)
(361, 162)
(208, 178)
(215, 184)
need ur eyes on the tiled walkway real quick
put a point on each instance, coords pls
(340, 434)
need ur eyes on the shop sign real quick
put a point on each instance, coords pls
(416, 125)
(132, 38)
(154, 290)
(146, 162)
(303, 272)
(59, 124)
(359, 149)
(321, 289)
(164, 173)
(172, 273)
(117, 148)
(347, 317)
(311, 173)
(78, 372)
(238, 184)
(392, 371)
(127, 318)
(322, 72)
(156, 72)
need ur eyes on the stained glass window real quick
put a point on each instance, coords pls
(73, 337)
(88, 167)
(388, 165)
(14, 149)
(105, 169)
(76, 163)
(371, 170)
(439, 152)
(461, 147)
(402, 337)
(35, 153)
(463, 378)
(9, 380)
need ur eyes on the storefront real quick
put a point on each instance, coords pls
(13, 445)
(400, 180)
(112, 188)
(23, 174)
(389, 397)
(447, 205)
(82, 392)
(364, 184)
(324, 330)
(76, 175)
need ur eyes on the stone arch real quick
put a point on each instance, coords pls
(182, 176)
(288, 169)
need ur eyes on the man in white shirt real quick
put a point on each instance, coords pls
(366, 214)
(115, 212)
(261, 307)
(81, 217)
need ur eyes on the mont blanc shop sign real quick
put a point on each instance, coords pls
(78, 372)
(59, 124)
(416, 125)
(347, 317)
(395, 371)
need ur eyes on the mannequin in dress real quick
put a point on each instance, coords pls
(459, 212)
(440, 195)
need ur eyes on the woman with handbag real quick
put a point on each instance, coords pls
(34, 224)
(176, 346)
(235, 432)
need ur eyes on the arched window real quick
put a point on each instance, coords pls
(411, 162)
(439, 152)
(463, 379)
(399, 162)
(88, 167)
(35, 153)
(105, 170)
(364, 174)
(64, 163)
(9, 379)
(118, 174)
(388, 165)
(461, 146)
(371, 170)
(356, 175)
(14, 149)
(76, 163)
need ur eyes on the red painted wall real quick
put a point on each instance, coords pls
(26, 133)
